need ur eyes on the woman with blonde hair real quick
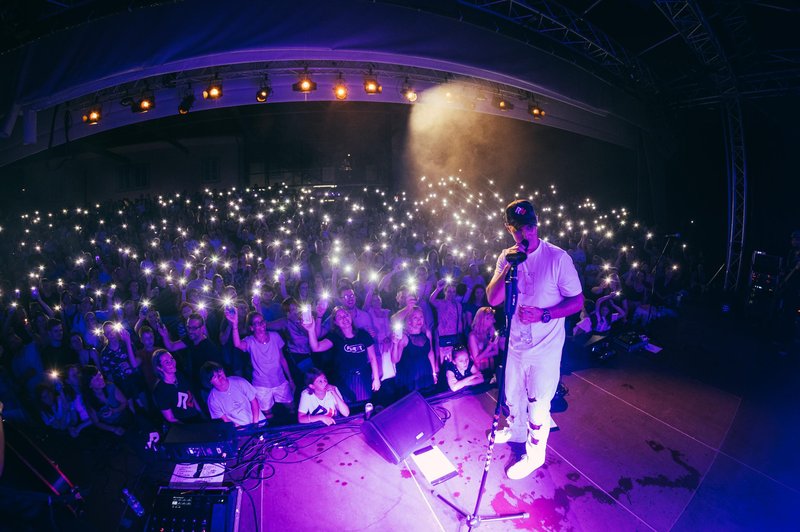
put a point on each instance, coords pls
(412, 353)
(483, 341)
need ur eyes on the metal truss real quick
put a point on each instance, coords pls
(753, 85)
(689, 21)
(559, 24)
(736, 162)
(739, 32)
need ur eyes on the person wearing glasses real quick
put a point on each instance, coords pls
(271, 377)
(193, 350)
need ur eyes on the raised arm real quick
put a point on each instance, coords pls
(282, 282)
(383, 285)
(368, 295)
(126, 338)
(398, 344)
(277, 325)
(110, 299)
(47, 310)
(141, 321)
(468, 293)
(168, 343)
(232, 315)
(439, 285)
(316, 344)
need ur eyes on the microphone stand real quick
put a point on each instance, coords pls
(654, 273)
(474, 520)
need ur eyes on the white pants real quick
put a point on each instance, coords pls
(269, 396)
(531, 383)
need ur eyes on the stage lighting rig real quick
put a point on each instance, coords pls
(187, 102)
(214, 90)
(264, 92)
(146, 102)
(304, 85)
(340, 88)
(537, 112)
(502, 103)
(371, 85)
(93, 114)
(408, 92)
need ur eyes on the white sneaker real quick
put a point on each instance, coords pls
(505, 436)
(523, 468)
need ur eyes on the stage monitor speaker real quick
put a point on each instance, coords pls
(401, 428)
(201, 442)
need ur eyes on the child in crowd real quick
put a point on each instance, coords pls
(232, 399)
(461, 372)
(321, 401)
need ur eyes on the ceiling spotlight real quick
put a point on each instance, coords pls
(145, 102)
(536, 111)
(186, 103)
(502, 103)
(408, 92)
(93, 115)
(371, 85)
(304, 84)
(214, 90)
(340, 88)
(264, 91)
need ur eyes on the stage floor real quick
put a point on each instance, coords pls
(637, 449)
(702, 436)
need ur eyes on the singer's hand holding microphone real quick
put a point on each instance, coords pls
(517, 254)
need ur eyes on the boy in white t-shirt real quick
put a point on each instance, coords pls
(321, 401)
(231, 399)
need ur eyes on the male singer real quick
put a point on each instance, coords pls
(548, 291)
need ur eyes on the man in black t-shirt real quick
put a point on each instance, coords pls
(196, 349)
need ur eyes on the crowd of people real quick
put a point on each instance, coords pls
(288, 304)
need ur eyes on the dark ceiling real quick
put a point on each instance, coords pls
(759, 38)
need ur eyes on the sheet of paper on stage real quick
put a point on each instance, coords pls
(208, 473)
(433, 464)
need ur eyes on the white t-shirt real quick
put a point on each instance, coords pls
(266, 359)
(314, 406)
(545, 278)
(234, 403)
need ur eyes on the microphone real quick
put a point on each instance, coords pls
(673, 235)
(519, 257)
